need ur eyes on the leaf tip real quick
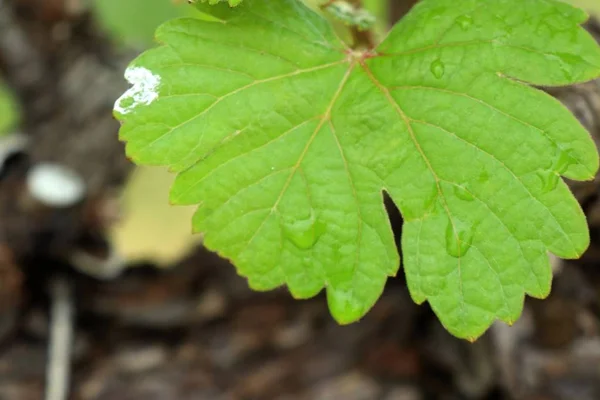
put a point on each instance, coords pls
(344, 307)
(174, 198)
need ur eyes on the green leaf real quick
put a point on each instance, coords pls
(232, 3)
(287, 140)
(9, 111)
(133, 22)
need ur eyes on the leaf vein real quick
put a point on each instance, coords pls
(532, 196)
(239, 90)
(385, 91)
(483, 102)
(249, 151)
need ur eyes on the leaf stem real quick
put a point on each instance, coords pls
(363, 38)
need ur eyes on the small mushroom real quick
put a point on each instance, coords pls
(55, 186)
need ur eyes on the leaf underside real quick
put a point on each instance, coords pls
(287, 139)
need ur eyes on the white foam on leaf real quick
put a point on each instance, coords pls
(143, 92)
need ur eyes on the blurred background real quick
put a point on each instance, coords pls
(142, 311)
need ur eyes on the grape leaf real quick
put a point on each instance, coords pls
(124, 22)
(287, 140)
(9, 110)
(232, 3)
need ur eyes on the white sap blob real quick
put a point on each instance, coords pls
(144, 90)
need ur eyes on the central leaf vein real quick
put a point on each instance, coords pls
(385, 91)
(324, 118)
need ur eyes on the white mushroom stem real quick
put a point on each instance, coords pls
(58, 370)
(105, 269)
(55, 185)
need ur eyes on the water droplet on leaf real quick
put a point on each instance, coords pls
(303, 233)
(549, 180)
(459, 236)
(563, 162)
(484, 176)
(463, 194)
(567, 64)
(437, 68)
(464, 21)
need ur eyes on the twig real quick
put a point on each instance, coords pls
(362, 38)
(58, 369)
